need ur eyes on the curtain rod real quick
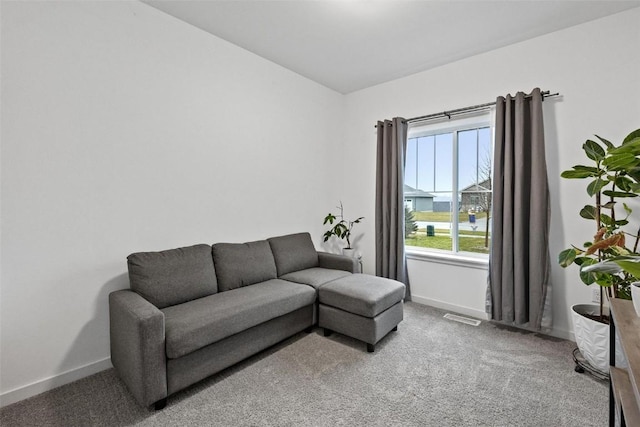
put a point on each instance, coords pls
(448, 114)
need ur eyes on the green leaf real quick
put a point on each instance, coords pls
(631, 146)
(618, 194)
(631, 136)
(605, 142)
(587, 168)
(595, 186)
(609, 205)
(632, 141)
(587, 278)
(604, 280)
(580, 260)
(593, 150)
(622, 222)
(634, 173)
(607, 266)
(631, 267)
(605, 219)
(620, 161)
(623, 183)
(588, 212)
(619, 251)
(329, 218)
(627, 209)
(577, 174)
(566, 257)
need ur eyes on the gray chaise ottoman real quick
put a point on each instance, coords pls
(361, 306)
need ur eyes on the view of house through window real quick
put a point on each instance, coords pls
(447, 191)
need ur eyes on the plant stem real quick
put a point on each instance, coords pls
(598, 226)
(601, 303)
(614, 289)
(613, 206)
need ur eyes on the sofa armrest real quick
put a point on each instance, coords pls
(138, 345)
(338, 262)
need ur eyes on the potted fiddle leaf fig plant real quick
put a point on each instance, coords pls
(613, 175)
(341, 229)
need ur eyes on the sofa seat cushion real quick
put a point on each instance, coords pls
(316, 276)
(362, 294)
(196, 324)
(173, 276)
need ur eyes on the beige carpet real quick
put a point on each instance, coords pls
(432, 372)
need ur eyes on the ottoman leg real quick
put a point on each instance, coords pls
(371, 348)
(327, 332)
(395, 328)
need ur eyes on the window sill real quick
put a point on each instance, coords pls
(443, 257)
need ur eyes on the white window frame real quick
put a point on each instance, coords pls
(475, 120)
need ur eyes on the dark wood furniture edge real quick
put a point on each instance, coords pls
(624, 382)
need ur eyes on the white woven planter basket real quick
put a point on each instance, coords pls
(593, 338)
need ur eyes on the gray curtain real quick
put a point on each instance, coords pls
(519, 262)
(392, 146)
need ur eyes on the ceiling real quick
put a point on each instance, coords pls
(348, 45)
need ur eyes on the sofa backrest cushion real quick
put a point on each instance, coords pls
(293, 252)
(173, 276)
(243, 264)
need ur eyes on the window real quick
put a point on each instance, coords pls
(448, 185)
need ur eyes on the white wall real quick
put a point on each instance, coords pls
(124, 129)
(454, 288)
(595, 68)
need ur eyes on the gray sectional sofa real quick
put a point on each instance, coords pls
(194, 311)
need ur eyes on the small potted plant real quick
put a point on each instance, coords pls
(614, 175)
(341, 229)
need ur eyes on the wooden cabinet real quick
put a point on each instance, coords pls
(624, 393)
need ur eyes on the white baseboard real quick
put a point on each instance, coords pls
(561, 333)
(35, 388)
(479, 314)
(458, 309)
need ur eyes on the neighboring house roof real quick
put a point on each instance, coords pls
(478, 187)
(412, 192)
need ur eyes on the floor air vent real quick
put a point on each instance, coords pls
(465, 320)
